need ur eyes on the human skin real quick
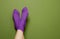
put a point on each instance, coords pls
(19, 35)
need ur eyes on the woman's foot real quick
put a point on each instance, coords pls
(20, 22)
(16, 18)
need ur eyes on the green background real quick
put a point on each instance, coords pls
(43, 20)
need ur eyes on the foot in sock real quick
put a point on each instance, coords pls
(20, 22)
(16, 18)
(24, 18)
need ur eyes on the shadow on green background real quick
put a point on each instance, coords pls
(43, 22)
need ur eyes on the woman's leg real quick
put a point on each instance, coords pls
(16, 18)
(23, 37)
(20, 22)
(19, 35)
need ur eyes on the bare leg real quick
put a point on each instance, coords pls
(23, 36)
(19, 35)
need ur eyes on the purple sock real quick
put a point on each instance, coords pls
(20, 22)
(16, 18)
(23, 18)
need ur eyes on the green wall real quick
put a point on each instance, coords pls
(43, 20)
